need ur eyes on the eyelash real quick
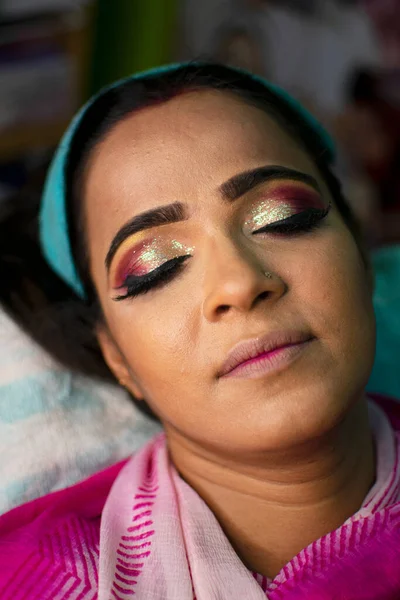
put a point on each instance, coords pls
(297, 224)
(141, 285)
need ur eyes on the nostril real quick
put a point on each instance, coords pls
(223, 308)
(263, 296)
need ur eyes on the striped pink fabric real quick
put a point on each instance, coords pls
(49, 548)
(138, 531)
(369, 522)
(190, 556)
(134, 547)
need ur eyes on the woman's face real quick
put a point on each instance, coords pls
(230, 258)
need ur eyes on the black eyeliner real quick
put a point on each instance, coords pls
(136, 285)
(298, 223)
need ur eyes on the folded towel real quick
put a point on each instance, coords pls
(57, 428)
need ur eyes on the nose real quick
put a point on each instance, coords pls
(236, 281)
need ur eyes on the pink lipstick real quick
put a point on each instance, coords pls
(258, 356)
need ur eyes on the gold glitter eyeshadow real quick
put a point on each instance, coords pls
(267, 212)
(146, 255)
(155, 253)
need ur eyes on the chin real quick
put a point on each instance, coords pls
(301, 416)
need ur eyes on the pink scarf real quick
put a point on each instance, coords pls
(159, 541)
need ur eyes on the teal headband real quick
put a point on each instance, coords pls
(53, 219)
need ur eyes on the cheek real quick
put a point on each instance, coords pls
(153, 341)
(158, 348)
(337, 293)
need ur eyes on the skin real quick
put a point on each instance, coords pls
(281, 459)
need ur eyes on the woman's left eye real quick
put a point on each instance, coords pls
(302, 222)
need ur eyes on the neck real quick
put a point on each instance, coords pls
(273, 507)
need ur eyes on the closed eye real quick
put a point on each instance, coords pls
(134, 285)
(296, 224)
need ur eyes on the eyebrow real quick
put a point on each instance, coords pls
(162, 215)
(231, 190)
(240, 184)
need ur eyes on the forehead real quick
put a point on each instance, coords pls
(181, 150)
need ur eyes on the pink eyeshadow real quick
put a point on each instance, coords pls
(299, 198)
(130, 265)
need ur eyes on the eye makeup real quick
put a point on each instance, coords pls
(143, 258)
(282, 204)
(151, 258)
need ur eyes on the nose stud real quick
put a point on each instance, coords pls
(268, 275)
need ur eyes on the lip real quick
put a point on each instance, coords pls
(264, 353)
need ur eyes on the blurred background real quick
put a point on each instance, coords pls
(341, 58)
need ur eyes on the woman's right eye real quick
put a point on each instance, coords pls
(134, 285)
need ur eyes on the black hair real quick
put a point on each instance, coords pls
(63, 323)
(363, 86)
